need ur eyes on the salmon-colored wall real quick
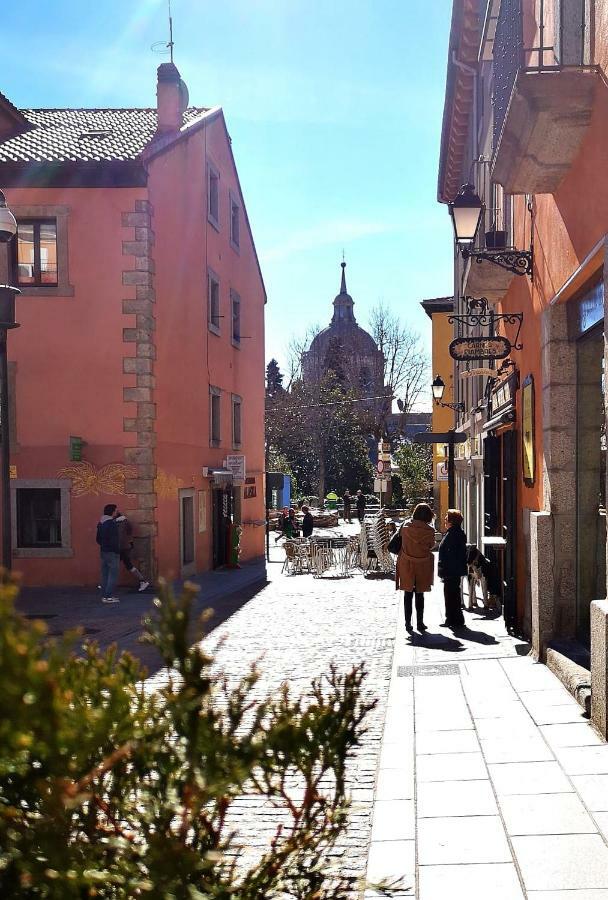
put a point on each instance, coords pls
(68, 353)
(567, 226)
(189, 356)
(443, 417)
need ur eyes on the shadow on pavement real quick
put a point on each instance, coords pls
(431, 641)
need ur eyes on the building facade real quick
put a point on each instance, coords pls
(137, 375)
(439, 310)
(525, 121)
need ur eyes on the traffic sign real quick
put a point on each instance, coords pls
(380, 467)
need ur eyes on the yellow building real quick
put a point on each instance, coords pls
(438, 309)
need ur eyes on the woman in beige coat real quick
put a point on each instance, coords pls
(415, 564)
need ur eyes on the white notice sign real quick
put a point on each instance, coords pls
(442, 471)
(235, 462)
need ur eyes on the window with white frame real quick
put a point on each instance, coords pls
(235, 222)
(235, 302)
(213, 195)
(236, 420)
(215, 433)
(213, 302)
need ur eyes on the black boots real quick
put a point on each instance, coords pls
(407, 604)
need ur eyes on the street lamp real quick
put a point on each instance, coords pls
(466, 211)
(438, 387)
(8, 229)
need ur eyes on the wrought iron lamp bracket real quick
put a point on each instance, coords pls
(487, 319)
(517, 261)
(457, 407)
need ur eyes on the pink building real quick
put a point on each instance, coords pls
(142, 334)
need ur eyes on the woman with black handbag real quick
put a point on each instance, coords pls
(415, 564)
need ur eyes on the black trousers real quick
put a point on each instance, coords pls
(453, 608)
(407, 604)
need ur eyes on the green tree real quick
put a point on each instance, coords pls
(274, 379)
(113, 790)
(415, 467)
(316, 427)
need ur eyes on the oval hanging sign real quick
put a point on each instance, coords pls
(475, 373)
(463, 348)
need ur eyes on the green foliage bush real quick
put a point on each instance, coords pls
(112, 789)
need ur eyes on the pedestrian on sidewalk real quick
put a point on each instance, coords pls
(108, 538)
(125, 533)
(308, 522)
(346, 500)
(415, 565)
(360, 505)
(452, 567)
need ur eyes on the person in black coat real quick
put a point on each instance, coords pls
(360, 504)
(452, 567)
(307, 522)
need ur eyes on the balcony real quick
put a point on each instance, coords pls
(546, 120)
(543, 95)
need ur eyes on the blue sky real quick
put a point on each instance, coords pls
(334, 107)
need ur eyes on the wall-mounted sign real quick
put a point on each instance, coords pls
(235, 462)
(502, 395)
(480, 348)
(474, 373)
(249, 492)
(442, 472)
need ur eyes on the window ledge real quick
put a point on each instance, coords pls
(236, 344)
(43, 552)
(47, 290)
(213, 443)
(214, 329)
(236, 247)
(214, 222)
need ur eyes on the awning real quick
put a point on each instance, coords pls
(506, 417)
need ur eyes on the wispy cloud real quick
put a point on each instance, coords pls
(324, 234)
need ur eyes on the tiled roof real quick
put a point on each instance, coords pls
(85, 135)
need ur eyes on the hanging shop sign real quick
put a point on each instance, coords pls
(235, 463)
(464, 348)
(474, 373)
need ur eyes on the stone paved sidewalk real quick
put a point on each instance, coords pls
(491, 781)
(297, 625)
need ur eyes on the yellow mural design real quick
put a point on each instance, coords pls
(166, 485)
(88, 479)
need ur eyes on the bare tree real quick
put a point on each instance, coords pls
(298, 345)
(406, 364)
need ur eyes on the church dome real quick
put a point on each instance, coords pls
(343, 327)
(363, 362)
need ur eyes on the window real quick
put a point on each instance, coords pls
(213, 195)
(39, 517)
(215, 416)
(235, 301)
(213, 302)
(35, 250)
(235, 223)
(236, 421)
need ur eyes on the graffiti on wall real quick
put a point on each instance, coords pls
(87, 479)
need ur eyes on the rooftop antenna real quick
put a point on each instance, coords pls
(165, 48)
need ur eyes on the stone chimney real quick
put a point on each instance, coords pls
(171, 98)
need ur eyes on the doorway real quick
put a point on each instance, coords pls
(222, 509)
(500, 495)
(186, 532)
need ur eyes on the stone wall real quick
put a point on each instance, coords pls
(139, 360)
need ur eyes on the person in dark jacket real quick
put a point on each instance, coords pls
(347, 501)
(125, 533)
(452, 567)
(307, 522)
(108, 538)
(360, 505)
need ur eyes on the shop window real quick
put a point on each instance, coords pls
(590, 477)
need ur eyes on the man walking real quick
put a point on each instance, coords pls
(108, 539)
(360, 505)
(125, 532)
(346, 500)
